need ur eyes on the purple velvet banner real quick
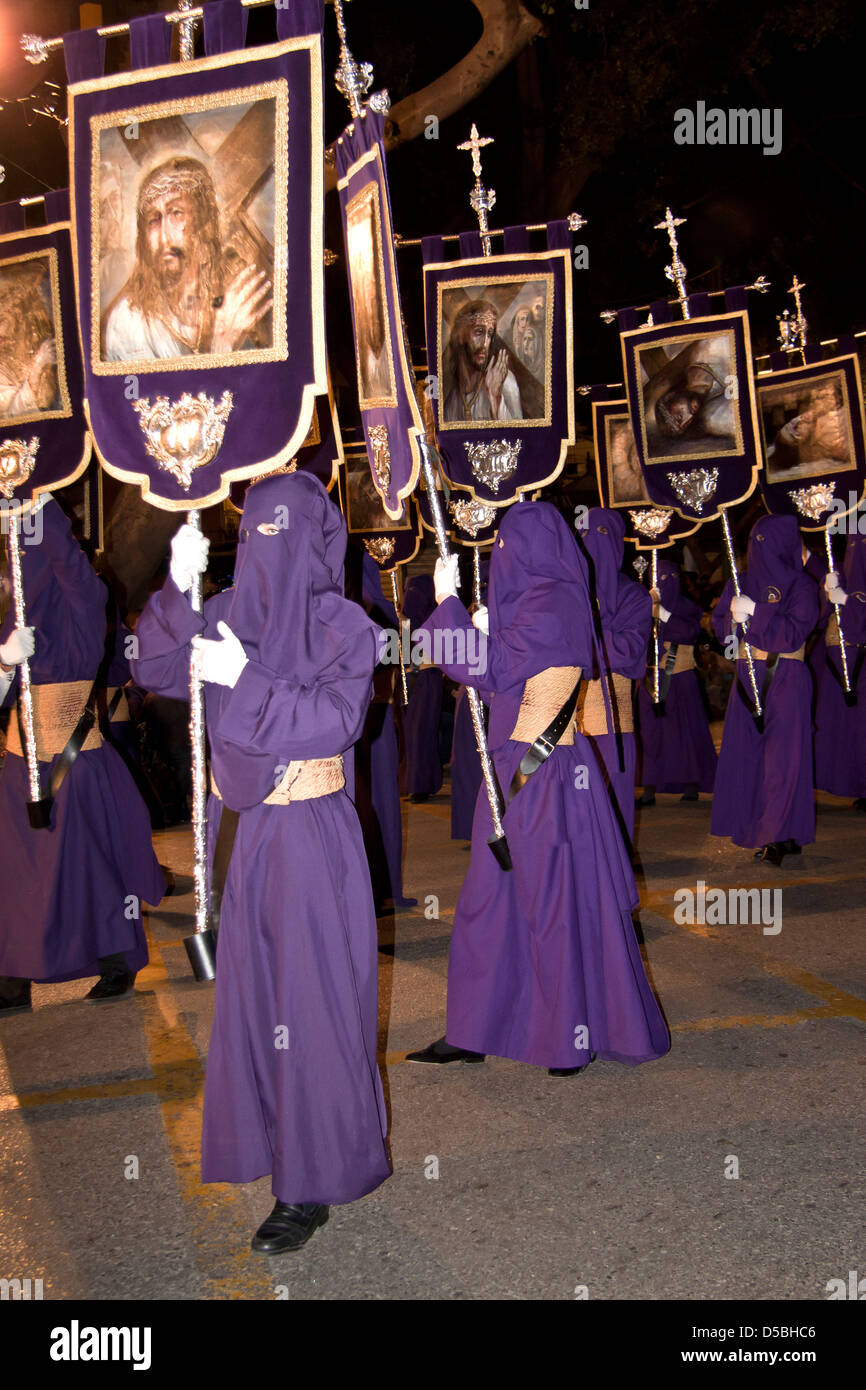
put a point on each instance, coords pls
(198, 234)
(390, 540)
(44, 443)
(692, 405)
(500, 355)
(386, 384)
(812, 431)
(621, 483)
(321, 452)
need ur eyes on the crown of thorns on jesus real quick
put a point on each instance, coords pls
(477, 311)
(181, 174)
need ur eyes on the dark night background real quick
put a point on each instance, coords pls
(583, 119)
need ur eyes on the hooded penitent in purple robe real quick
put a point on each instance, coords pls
(292, 1086)
(542, 953)
(763, 791)
(840, 729)
(423, 769)
(676, 748)
(625, 613)
(377, 790)
(69, 891)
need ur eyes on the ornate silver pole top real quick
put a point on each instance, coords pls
(187, 33)
(352, 80)
(801, 327)
(676, 271)
(482, 199)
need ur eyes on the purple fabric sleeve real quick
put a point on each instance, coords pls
(627, 635)
(71, 568)
(722, 612)
(452, 617)
(165, 629)
(679, 629)
(784, 626)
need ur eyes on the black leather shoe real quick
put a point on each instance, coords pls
(773, 853)
(791, 847)
(860, 803)
(645, 801)
(565, 1071)
(111, 987)
(19, 1005)
(441, 1051)
(288, 1228)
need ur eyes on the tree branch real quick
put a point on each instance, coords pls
(508, 28)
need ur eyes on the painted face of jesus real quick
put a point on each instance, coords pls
(477, 339)
(169, 232)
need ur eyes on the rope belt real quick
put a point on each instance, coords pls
(684, 660)
(543, 697)
(303, 781)
(56, 712)
(591, 713)
(762, 656)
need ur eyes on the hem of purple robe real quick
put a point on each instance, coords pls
(577, 1059)
(324, 1195)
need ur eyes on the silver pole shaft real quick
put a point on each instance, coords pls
(838, 611)
(655, 584)
(496, 809)
(729, 546)
(25, 689)
(396, 597)
(199, 775)
(476, 574)
(187, 33)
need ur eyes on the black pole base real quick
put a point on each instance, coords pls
(659, 709)
(39, 813)
(501, 852)
(201, 949)
(850, 698)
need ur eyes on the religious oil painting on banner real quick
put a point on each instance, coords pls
(621, 483)
(494, 351)
(376, 386)
(32, 375)
(807, 427)
(188, 256)
(363, 502)
(625, 480)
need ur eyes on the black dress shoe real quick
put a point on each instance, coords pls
(565, 1071)
(441, 1051)
(113, 986)
(773, 853)
(791, 847)
(860, 803)
(288, 1228)
(19, 1005)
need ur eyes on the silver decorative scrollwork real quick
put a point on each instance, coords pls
(650, 521)
(494, 462)
(34, 48)
(471, 516)
(697, 488)
(381, 446)
(381, 548)
(17, 461)
(640, 565)
(813, 501)
(185, 434)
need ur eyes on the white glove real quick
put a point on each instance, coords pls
(742, 607)
(832, 580)
(446, 578)
(481, 620)
(837, 596)
(19, 646)
(664, 613)
(189, 550)
(222, 662)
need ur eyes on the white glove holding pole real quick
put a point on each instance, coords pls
(664, 613)
(19, 646)
(837, 596)
(833, 588)
(189, 550)
(221, 662)
(446, 578)
(481, 620)
(742, 607)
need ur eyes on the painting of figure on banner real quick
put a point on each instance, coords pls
(363, 503)
(806, 427)
(369, 299)
(495, 351)
(626, 484)
(189, 230)
(32, 386)
(689, 396)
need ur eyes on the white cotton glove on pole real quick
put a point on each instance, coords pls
(221, 662)
(189, 550)
(742, 607)
(833, 588)
(664, 613)
(837, 596)
(19, 646)
(481, 620)
(446, 578)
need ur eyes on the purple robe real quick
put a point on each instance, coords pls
(70, 891)
(840, 729)
(466, 774)
(423, 770)
(625, 613)
(763, 788)
(292, 1086)
(677, 747)
(548, 950)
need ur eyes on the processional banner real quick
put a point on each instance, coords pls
(198, 240)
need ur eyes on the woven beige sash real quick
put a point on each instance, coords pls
(303, 781)
(762, 656)
(543, 698)
(683, 661)
(56, 711)
(591, 712)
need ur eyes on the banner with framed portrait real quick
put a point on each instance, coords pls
(500, 363)
(621, 483)
(812, 431)
(386, 383)
(44, 441)
(692, 405)
(198, 239)
(390, 540)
